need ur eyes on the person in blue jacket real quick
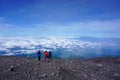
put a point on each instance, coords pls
(39, 55)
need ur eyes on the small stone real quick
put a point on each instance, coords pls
(85, 76)
(18, 64)
(14, 73)
(24, 72)
(34, 69)
(39, 75)
(93, 78)
(44, 75)
(58, 72)
(29, 75)
(74, 70)
(71, 62)
(116, 74)
(38, 63)
(92, 75)
(11, 68)
(99, 65)
(108, 70)
(52, 74)
(28, 57)
(101, 72)
(61, 79)
(58, 68)
(57, 75)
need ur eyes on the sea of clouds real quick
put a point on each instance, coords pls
(60, 47)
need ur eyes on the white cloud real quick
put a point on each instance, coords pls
(28, 45)
(107, 28)
(7, 28)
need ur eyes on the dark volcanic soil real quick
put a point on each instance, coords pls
(17, 68)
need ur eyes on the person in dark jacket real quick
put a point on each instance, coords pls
(39, 55)
(50, 55)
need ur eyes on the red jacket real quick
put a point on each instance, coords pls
(46, 53)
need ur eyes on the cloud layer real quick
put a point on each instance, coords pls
(61, 47)
(108, 28)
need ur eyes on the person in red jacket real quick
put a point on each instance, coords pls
(46, 55)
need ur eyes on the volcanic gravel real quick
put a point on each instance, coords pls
(19, 68)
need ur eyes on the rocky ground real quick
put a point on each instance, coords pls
(17, 68)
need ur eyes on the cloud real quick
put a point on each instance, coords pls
(60, 47)
(30, 44)
(106, 28)
(6, 26)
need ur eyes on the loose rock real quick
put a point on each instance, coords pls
(44, 76)
(99, 65)
(35, 69)
(116, 74)
(11, 68)
(52, 74)
(28, 57)
(29, 75)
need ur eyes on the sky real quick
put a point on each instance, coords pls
(64, 18)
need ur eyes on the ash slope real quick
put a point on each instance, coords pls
(16, 68)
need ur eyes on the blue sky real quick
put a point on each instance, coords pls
(64, 18)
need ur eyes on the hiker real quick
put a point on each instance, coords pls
(50, 55)
(46, 55)
(39, 55)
